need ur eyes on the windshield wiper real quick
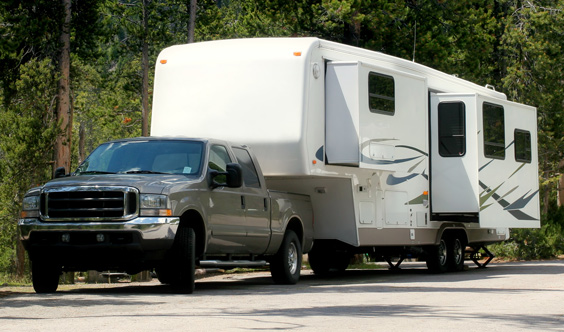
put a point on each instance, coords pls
(144, 172)
(95, 172)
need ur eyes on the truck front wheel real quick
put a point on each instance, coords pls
(44, 276)
(184, 257)
(285, 266)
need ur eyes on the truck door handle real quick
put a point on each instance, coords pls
(243, 202)
(265, 204)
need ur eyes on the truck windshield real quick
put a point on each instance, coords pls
(144, 157)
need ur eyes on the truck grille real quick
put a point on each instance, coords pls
(89, 204)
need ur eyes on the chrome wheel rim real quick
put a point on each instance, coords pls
(292, 258)
(442, 253)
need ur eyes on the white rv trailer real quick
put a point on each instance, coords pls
(399, 159)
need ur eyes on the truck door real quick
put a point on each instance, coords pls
(225, 211)
(454, 185)
(255, 202)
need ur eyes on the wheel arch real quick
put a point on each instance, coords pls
(193, 219)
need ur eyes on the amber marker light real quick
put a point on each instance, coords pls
(164, 61)
(297, 53)
(314, 161)
(425, 193)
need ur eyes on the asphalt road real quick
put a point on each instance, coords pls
(523, 296)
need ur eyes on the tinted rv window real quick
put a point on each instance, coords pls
(452, 133)
(381, 94)
(250, 176)
(522, 146)
(494, 131)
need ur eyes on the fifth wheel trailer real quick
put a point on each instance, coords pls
(400, 160)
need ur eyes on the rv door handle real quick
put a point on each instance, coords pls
(243, 202)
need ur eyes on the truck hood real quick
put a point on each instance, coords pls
(145, 183)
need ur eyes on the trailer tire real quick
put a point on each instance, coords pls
(437, 257)
(286, 265)
(455, 257)
(184, 258)
(45, 276)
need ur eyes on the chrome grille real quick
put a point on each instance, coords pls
(89, 204)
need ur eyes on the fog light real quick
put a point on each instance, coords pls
(65, 237)
(100, 237)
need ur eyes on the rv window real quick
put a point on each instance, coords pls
(522, 146)
(250, 176)
(381, 94)
(452, 132)
(494, 131)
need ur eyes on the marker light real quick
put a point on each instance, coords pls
(163, 61)
(297, 53)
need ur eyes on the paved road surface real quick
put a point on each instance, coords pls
(525, 296)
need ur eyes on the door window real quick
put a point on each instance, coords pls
(250, 175)
(522, 146)
(452, 132)
(494, 131)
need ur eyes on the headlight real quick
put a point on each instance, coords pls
(30, 207)
(154, 205)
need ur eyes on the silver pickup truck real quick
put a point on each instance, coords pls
(168, 204)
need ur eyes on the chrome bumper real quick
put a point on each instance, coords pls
(150, 228)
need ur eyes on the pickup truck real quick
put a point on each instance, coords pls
(164, 204)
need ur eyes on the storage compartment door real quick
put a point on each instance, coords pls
(454, 157)
(342, 113)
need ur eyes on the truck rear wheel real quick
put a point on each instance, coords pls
(437, 257)
(286, 265)
(45, 276)
(184, 260)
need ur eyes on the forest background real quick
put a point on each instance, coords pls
(75, 73)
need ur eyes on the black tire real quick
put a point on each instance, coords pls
(45, 276)
(456, 250)
(184, 260)
(164, 272)
(325, 260)
(286, 265)
(437, 257)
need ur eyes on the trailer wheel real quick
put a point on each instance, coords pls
(45, 276)
(285, 266)
(437, 257)
(184, 258)
(455, 258)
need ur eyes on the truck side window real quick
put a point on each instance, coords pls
(219, 158)
(381, 94)
(452, 132)
(250, 175)
(522, 146)
(494, 131)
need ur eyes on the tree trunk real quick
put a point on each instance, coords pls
(192, 21)
(145, 65)
(560, 192)
(64, 110)
(81, 143)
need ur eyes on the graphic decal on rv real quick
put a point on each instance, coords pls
(512, 208)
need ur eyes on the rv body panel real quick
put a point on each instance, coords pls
(349, 127)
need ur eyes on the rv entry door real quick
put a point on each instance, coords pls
(454, 157)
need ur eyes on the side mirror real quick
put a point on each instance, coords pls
(60, 172)
(233, 176)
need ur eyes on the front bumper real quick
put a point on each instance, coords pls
(99, 245)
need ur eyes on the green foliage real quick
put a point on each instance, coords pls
(526, 244)
(27, 135)
(515, 45)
